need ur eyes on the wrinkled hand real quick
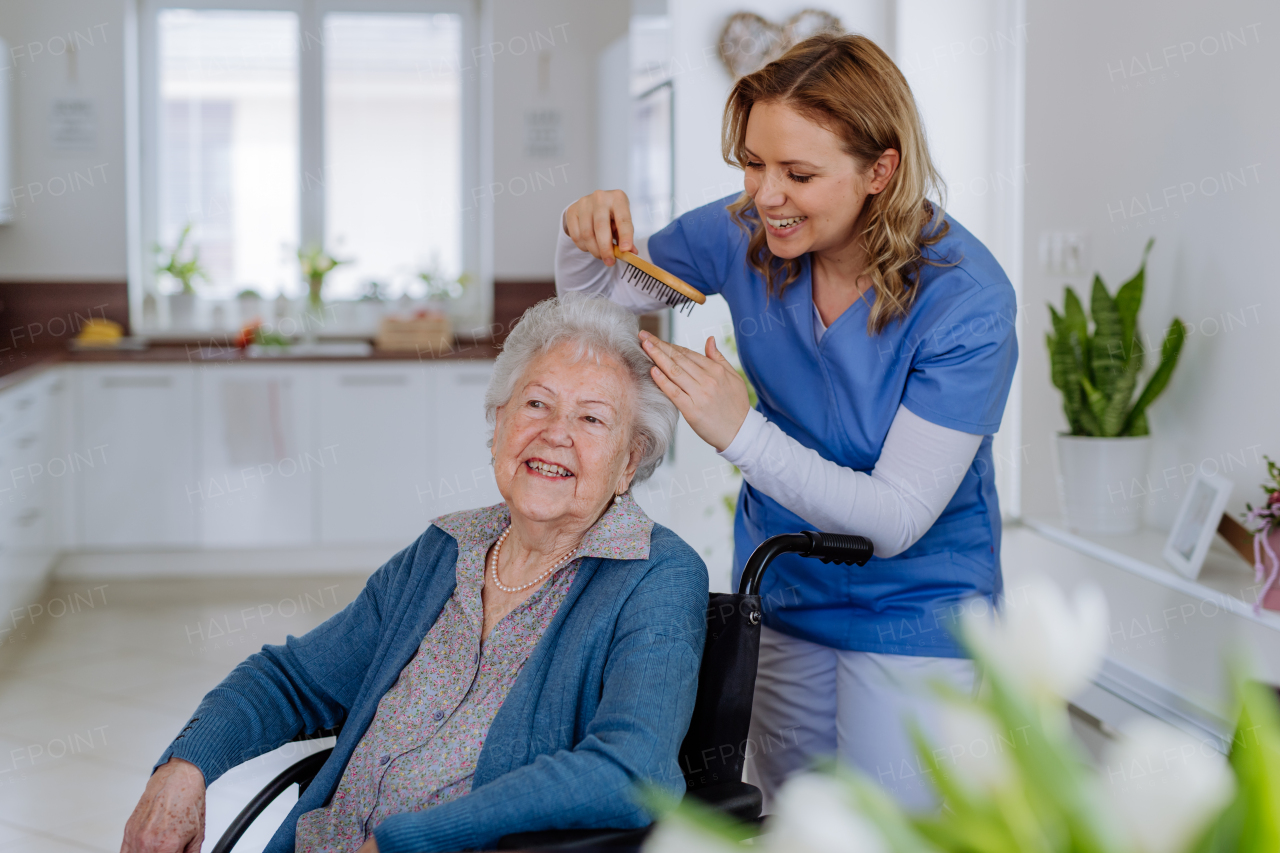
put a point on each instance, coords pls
(706, 389)
(594, 221)
(170, 816)
(370, 846)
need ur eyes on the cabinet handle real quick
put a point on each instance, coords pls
(137, 381)
(385, 380)
(471, 379)
(28, 440)
(28, 518)
(26, 403)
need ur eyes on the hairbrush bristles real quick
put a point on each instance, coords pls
(656, 281)
(655, 288)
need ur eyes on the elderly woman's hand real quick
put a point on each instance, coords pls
(170, 816)
(707, 390)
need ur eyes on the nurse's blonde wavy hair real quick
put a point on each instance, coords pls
(850, 86)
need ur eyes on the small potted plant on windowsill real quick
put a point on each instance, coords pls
(1105, 451)
(249, 304)
(371, 305)
(184, 270)
(442, 289)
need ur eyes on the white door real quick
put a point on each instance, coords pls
(461, 471)
(133, 462)
(258, 456)
(375, 417)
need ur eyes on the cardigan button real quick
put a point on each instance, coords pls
(384, 759)
(438, 716)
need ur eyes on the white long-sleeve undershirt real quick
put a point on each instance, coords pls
(920, 467)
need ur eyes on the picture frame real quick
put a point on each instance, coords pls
(1197, 521)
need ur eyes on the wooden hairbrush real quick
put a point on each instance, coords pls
(659, 283)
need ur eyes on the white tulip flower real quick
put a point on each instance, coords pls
(973, 750)
(813, 814)
(1165, 786)
(1041, 640)
(676, 833)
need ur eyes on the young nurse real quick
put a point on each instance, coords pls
(879, 336)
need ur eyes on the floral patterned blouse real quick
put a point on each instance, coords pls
(422, 746)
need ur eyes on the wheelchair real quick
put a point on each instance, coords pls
(713, 752)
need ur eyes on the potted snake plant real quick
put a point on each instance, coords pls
(1102, 458)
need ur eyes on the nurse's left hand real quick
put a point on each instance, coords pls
(706, 389)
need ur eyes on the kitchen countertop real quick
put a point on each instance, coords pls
(19, 366)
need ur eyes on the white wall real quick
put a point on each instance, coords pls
(529, 192)
(1137, 113)
(613, 114)
(70, 206)
(962, 60)
(956, 56)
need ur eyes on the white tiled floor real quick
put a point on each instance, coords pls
(89, 699)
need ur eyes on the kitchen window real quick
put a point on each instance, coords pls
(270, 126)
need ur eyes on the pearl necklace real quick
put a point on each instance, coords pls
(493, 567)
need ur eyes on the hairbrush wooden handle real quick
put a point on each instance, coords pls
(680, 287)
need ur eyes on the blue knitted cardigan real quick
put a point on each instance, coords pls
(601, 705)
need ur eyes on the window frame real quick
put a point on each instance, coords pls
(311, 122)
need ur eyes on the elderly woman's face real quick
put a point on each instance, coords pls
(562, 446)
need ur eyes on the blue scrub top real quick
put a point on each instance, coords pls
(950, 361)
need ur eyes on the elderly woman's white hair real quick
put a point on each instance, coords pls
(599, 327)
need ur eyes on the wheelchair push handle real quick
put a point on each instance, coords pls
(827, 547)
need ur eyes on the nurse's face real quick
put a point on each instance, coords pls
(808, 189)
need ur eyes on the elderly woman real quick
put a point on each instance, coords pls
(518, 667)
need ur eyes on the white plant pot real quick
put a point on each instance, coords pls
(182, 310)
(249, 308)
(1098, 481)
(341, 314)
(368, 313)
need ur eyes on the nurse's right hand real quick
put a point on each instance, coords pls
(594, 221)
(170, 816)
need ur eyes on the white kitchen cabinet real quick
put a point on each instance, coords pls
(374, 417)
(58, 467)
(258, 458)
(30, 417)
(193, 457)
(134, 455)
(37, 470)
(461, 474)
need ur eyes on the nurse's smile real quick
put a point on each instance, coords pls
(784, 227)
